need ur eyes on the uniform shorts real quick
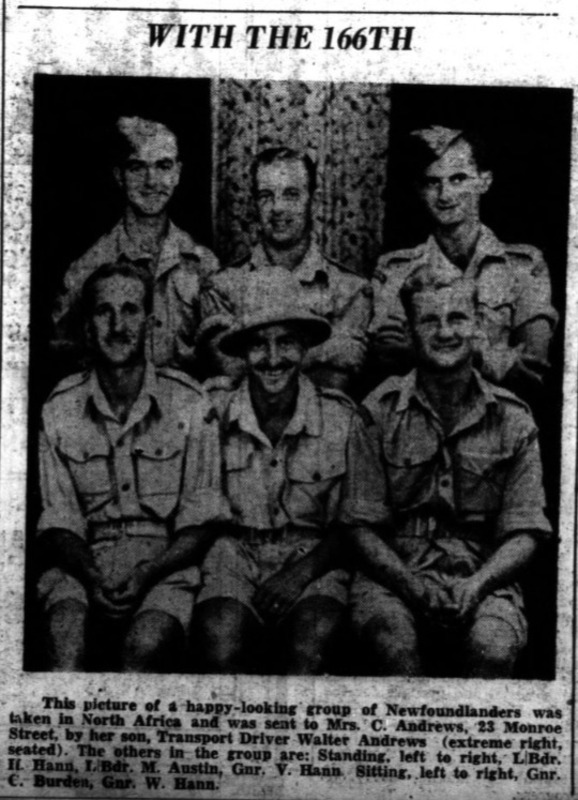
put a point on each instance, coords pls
(370, 600)
(173, 595)
(235, 568)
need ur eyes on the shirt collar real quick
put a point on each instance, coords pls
(147, 397)
(487, 246)
(175, 244)
(483, 395)
(306, 418)
(306, 271)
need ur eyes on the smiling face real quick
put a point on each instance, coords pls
(283, 203)
(452, 186)
(273, 356)
(117, 323)
(151, 172)
(444, 324)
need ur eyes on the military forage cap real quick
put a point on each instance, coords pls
(273, 297)
(436, 138)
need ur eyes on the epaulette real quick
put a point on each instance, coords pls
(527, 250)
(240, 261)
(391, 385)
(68, 383)
(342, 267)
(219, 383)
(337, 394)
(401, 256)
(180, 377)
(506, 394)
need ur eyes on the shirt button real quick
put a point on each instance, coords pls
(158, 323)
(445, 482)
(125, 487)
(316, 476)
(181, 425)
(274, 462)
(159, 451)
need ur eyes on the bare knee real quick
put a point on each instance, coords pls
(393, 642)
(151, 642)
(311, 628)
(220, 630)
(65, 633)
(492, 648)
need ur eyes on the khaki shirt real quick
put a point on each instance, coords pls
(447, 500)
(342, 297)
(513, 289)
(161, 466)
(178, 272)
(298, 482)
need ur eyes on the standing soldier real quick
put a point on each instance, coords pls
(130, 479)
(513, 282)
(284, 182)
(147, 170)
(457, 498)
(285, 457)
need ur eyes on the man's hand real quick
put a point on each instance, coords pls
(467, 594)
(281, 591)
(119, 601)
(431, 601)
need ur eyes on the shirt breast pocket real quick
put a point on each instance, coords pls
(480, 479)
(410, 473)
(159, 470)
(313, 487)
(90, 467)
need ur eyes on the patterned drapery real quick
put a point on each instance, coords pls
(344, 127)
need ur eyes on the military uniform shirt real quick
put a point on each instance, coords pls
(342, 297)
(161, 466)
(298, 482)
(513, 285)
(447, 501)
(178, 273)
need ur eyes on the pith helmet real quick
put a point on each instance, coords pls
(273, 297)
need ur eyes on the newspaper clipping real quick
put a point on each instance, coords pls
(288, 391)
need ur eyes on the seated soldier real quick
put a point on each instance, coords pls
(130, 480)
(451, 469)
(452, 176)
(284, 451)
(284, 183)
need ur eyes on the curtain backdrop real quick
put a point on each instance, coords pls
(344, 127)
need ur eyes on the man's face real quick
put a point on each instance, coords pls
(444, 324)
(274, 356)
(118, 321)
(151, 173)
(283, 203)
(452, 186)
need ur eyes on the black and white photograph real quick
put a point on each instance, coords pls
(295, 386)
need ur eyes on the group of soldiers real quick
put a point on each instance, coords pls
(212, 487)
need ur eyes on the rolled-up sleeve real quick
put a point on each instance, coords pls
(363, 499)
(202, 500)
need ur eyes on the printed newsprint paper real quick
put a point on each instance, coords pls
(346, 85)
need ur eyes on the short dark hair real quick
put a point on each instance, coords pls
(275, 155)
(428, 277)
(124, 269)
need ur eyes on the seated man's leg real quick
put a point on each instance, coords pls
(65, 613)
(153, 643)
(225, 625)
(387, 628)
(222, 631)
(314, 622)
(156, 639)
(310, 629)
(496, 637)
